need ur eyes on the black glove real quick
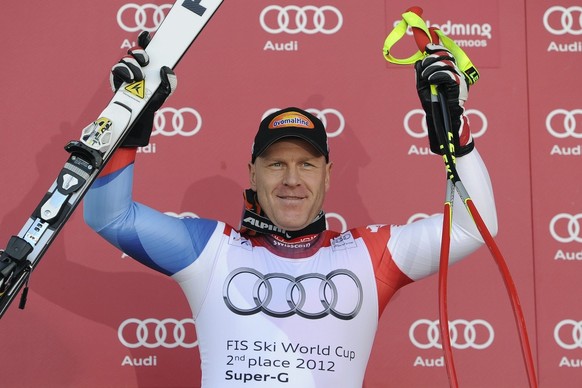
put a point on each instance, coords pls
(439, 68)
(129, 69)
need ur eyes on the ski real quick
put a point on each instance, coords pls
(98, 141)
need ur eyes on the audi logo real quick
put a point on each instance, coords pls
(415, 123)
(572, 231)
(476, 334)
(152, 333)
(566, 20)
(141, 17)
(572, 337)
(184, 122)
(328, 116)
(293, 19)
(568, 124)
(313, 296)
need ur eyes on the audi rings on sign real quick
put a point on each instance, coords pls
(567, 126)
(568, 334)
(560, 20)
(313, 296)
(133, 17)
(415, 123)
(293, 19)
(171, 122)
(332, 119)
(153, 333)
(476, 334)
(572, 231)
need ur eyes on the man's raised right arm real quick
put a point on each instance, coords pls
(162, 242)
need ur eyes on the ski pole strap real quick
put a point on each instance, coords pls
(424, 35)
(408, 19)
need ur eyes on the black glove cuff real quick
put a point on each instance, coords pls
(464, 150)
(433, 140)
(139, 135)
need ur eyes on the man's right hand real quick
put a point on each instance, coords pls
(130, 69)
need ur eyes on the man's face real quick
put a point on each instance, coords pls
(291, 179)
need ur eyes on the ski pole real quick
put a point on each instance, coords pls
(441, 117)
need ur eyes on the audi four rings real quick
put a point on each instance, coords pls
(152, 333)
(308, 19)
(185, 122)
(247, 291)
(570, 20)
(476, 334)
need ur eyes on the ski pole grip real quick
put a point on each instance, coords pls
(420, 36)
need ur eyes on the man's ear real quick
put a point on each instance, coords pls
(252, 176)
(328, 175)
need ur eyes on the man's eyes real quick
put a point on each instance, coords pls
(280, 164)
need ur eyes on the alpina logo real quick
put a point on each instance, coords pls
(291, 119)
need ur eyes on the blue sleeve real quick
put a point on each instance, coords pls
(165, 243)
